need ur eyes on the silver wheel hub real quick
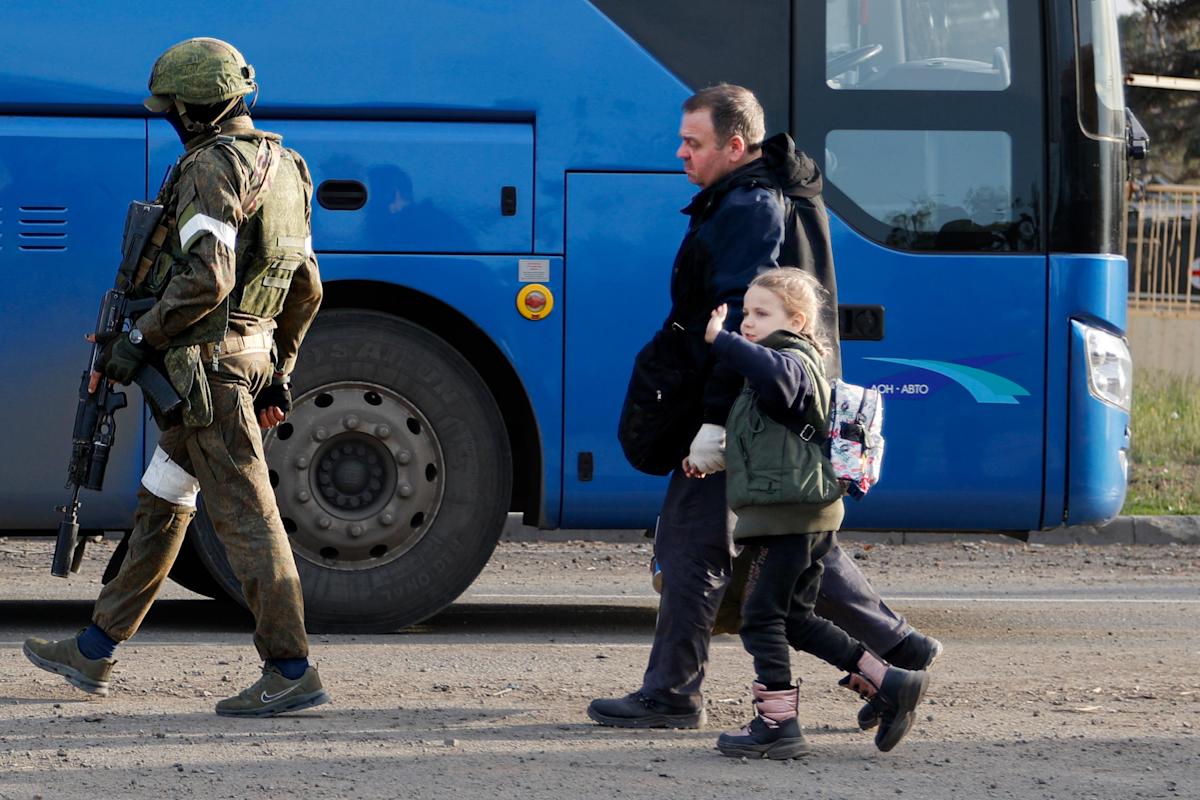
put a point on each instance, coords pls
(358, 475)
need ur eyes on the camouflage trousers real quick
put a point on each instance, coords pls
(226, 460)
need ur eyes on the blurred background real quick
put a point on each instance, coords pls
(1160, 47)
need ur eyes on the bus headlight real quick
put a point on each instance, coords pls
(1110, 368)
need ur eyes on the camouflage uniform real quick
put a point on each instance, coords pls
(236, 280)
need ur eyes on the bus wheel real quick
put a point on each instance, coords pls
(392, 473)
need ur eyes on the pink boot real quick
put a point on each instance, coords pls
(773, 733)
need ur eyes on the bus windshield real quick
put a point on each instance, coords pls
(1101, 89)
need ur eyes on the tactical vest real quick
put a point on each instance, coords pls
(769, 463)
(272, 239)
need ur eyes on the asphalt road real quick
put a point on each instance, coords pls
(1070, 672)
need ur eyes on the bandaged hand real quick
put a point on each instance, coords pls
(707, 453)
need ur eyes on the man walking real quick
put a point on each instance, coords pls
(759, 206)
(237, 286)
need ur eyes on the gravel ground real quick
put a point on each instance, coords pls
(1070, 672)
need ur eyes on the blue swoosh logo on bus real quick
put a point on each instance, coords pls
(984, 386)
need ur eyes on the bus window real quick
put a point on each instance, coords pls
(1101, 89)
(917, 45)
(933, 190)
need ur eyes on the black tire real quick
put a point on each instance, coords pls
(189, 569)
(393, 475)
(191, 572)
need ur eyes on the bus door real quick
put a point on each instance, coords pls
(622, 234)
(65, 184)
(928, 117)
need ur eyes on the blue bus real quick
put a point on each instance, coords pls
(496, 212)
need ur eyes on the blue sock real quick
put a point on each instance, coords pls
(95, 643)
(292, 668)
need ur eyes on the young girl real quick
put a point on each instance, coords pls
(789, 504)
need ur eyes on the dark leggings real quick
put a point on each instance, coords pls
(777, 609)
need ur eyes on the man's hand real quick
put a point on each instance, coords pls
(716, 323)
(707, 454)
(273, 403)
(120, 360)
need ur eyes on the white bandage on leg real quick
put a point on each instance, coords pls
(166, 479)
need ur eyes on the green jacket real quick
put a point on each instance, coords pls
(237, 258)
(778, 483)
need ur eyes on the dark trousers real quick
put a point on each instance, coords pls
(777, 607)
(694, 549)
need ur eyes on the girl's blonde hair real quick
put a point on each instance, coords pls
(801, 294)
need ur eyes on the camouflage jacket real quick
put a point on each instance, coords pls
(213, 197)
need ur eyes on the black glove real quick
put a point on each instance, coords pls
(276, 393)
(120, 359)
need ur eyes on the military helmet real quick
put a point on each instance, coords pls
(200, 71)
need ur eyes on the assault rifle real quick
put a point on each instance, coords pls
(95, 430)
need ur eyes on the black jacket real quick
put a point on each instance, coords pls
(766, 214)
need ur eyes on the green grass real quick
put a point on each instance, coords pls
(1164, 468)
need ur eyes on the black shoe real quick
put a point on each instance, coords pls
(640, 711)
(760, 740)
(915, 651)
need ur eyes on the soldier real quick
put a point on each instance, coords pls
(237, 287)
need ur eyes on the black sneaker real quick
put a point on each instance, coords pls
(637, 710)
(915, 651)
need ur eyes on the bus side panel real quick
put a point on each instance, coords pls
(1086, 436)
(484, 289)
(429, 187)
(600, 100)
(622, 233)
(963, 401)
(64, 187)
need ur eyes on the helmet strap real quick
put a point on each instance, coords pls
(192, 126)
(228, 107)
(188, 125)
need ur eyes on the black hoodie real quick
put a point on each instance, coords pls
(766, 214)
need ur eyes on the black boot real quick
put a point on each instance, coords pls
(915, 651)
(895, 696)
(774, 732)
(637, 710)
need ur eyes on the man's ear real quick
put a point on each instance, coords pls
(737, 147)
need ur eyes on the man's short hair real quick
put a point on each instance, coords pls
(735, 111)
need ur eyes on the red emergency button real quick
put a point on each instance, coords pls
(535, 301)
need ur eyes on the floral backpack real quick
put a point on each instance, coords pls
(855, 439)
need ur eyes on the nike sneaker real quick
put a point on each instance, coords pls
(274, 694)
(63, 658)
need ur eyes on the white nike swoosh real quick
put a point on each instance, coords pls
(268, 698)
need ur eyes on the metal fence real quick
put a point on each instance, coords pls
(1164, 268)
